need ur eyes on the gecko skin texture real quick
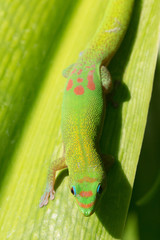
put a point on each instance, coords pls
(83, 110)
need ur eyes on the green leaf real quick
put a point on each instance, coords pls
(144, 218)
(39, 38)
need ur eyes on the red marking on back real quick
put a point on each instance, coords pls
(92, 66)
(86, 194)
(87, 179)
(85, 205)
(70, 84)
(79, 90)
(91, 84)
(74, 71)
(79, 72)
(79, 79)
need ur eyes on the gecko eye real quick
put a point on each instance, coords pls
(99, 189)
(73, 190)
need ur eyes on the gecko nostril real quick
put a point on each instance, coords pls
(87, 212)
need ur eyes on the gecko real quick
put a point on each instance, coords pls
(83, 112)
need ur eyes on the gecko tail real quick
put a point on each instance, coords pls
(111, 31)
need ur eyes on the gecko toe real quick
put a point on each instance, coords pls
(52, 195)
(45, 198)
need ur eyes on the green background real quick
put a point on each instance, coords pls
(143, 220)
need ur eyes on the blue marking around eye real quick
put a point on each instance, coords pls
(74, 190)
(99, 189)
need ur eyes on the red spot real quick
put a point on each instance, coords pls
(74, 71)
(86, 194)
(70, 84)
(79, 90)
(79, 79)
(85, 205)
(92, 66)
(79, 72)
(87, 179)
(91, 84)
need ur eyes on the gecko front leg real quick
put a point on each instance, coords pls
(107, 85)
(106, 80)
(56, 165)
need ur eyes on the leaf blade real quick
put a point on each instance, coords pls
(25, 178)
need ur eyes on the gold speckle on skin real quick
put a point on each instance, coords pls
(83, 106)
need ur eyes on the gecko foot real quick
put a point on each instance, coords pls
(45, 197)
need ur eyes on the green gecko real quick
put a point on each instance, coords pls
(83, 111)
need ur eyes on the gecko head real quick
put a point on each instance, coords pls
(87, 191)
